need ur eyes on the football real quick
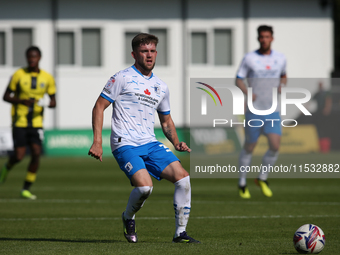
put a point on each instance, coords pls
(309, 239)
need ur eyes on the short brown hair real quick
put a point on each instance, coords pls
(265, 28)
(143, 38)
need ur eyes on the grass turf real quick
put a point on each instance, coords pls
(80, 202)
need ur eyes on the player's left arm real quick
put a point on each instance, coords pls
(169, 131)
(328, 105)
(283, 82)
(53, 102)
(51, 90)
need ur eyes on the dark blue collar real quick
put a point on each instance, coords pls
(258, 52)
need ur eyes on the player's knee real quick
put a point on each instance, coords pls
(185, 174)
(181, 174)
(276, 150)
(36, 153)
(17, 158)
(249, 149)
(274, 147)
(35, 157)
(145, 191)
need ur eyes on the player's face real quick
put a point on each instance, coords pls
(265, 40)
(145, 57)
(33, 59)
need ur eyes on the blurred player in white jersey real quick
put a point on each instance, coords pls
(264, 70)
(136, 94)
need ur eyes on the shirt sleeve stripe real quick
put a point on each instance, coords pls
(164, 113)
(106, 97)
(239, 77)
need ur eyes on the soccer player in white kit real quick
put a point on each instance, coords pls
(264, 70)
(136, 94)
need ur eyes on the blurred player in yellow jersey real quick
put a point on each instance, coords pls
(25, 90)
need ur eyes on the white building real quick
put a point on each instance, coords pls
(84, 42)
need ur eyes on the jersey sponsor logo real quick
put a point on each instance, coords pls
(128, 167)
(268, 73)
(268, 67)
(145, 99)
(147, 92)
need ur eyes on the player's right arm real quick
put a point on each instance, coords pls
(242, 73)
(240, 83)
(283, 79)
(96, 149)
(8, 97)
(10, 90)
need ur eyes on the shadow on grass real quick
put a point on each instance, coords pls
(59, 240)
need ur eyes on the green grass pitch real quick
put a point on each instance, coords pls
(80, 201)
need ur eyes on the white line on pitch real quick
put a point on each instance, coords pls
(171, 218)
(87, 201)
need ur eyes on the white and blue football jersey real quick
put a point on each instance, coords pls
(263, 72)
(135, 99)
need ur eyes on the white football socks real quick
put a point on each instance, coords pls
(244, 161)
(136, 200)
(269, 159)
(182, 204)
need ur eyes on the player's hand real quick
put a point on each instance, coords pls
(182, 146)
(96, 151)
(52, 104)
(28, 102)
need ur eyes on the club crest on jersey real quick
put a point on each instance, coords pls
(157, 89)
(128, 166)
(147, 92)
(42, 85)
